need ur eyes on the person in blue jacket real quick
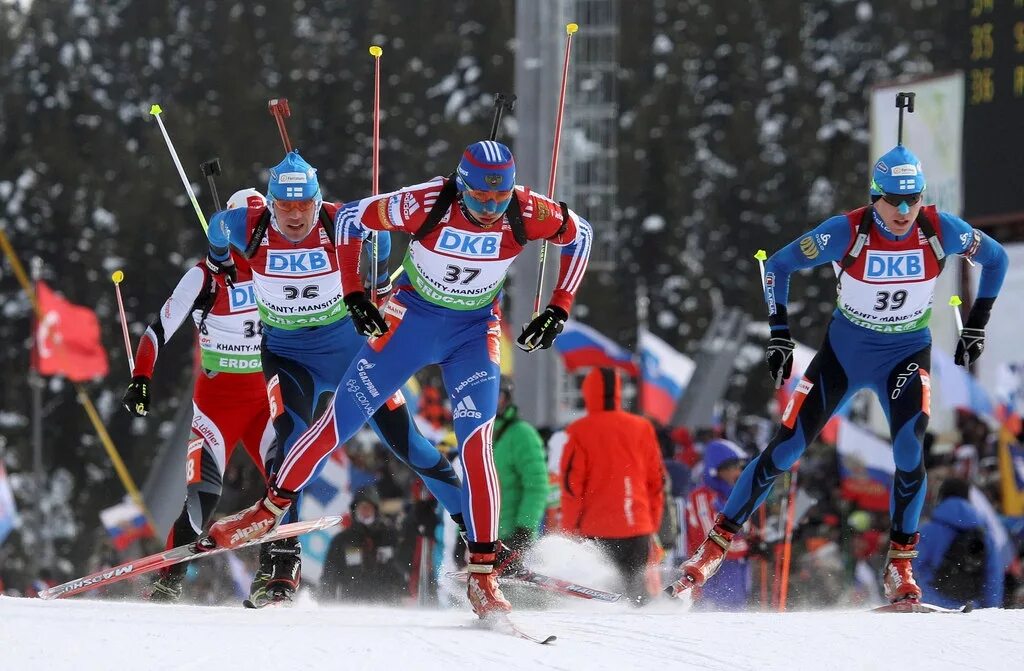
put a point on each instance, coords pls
(887, 256)
(955, 514)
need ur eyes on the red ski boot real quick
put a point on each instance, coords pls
(899, 574)
(252, 523)
(484, 593)
(708, 558)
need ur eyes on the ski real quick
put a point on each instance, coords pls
(503, 624)
(545, 582)
(182, 553)
(917, 607)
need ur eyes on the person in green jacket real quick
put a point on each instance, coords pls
(522, 474)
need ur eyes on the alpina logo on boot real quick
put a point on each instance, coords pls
(249, 531)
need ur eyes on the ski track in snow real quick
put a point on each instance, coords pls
(82, 635)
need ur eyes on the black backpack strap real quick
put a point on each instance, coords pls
(933, 239)
(515, 220)
(440, 208)
(565, 221)
(257, 234)
(863, 230)
(328, 223)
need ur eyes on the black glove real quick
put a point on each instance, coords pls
(972, 336)
(542, 331)
(136, 398)
(225, 269)
(365, 315)
(779, 355)
(969, 347)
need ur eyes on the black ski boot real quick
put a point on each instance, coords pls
(278, 575)
(167, 587)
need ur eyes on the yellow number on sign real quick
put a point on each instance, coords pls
(982, 44)
(982, 86)
(1018, 81)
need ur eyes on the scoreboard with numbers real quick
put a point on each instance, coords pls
(994, 114)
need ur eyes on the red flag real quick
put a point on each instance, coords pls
(67, 339)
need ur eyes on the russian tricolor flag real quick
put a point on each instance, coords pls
(865, 467)
(583, 347)
(665, 374)
(126, 523)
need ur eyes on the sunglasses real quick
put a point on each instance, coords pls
(293, 205)
(485, 195)
(897, 199)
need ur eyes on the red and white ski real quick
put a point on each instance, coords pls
(545, 582)
(182, 553)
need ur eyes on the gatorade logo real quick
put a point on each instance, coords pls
(466, 245)
(242, 297)
(297, 263)
(885, 266)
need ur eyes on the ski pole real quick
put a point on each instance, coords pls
(280, 111)
(955, 303)
(787, 548)
(761, 255)
(156, 111)
(210, 170)
(117, 277)
(376, 52)
(570, 30)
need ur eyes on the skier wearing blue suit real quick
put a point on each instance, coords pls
(309, 339)
(887, 256)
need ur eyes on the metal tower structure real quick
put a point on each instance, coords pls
(587, 164)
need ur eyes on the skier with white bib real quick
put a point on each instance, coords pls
(887, 256)
(466, 230)
(309, 339)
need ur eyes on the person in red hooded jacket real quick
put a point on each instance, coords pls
(612, 479)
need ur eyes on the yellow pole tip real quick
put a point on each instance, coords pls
(571, 28)
(117, 276)
(376, 51)
(955, 301)
(761, 255)
(155, 109)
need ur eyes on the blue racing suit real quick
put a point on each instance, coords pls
(878, 339)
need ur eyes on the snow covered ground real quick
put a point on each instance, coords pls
(81, 635)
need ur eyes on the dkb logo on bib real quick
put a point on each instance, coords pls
(469, 245)
(242, 296)
(894, 265)
(297, 263)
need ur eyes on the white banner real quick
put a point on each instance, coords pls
(934, 132)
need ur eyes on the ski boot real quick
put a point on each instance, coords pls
(708, 558)
(250, 524)
(898, 575)
(278, 575)
(167, 587)
(484, 593)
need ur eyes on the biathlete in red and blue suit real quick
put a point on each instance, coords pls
(466, 230)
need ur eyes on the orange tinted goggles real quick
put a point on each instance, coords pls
(485, 195)
(293, 205)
